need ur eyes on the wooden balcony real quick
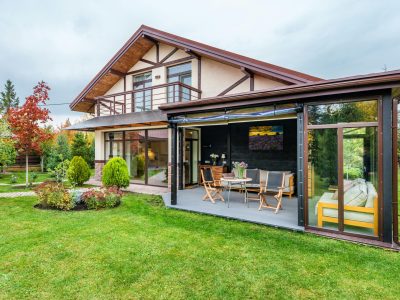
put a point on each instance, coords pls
(145, 99)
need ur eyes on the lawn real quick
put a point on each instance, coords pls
(143, 250)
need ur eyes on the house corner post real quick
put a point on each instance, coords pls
(387, 180)
(180, 158)
(300, 167)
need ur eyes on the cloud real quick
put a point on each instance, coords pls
(67, 43)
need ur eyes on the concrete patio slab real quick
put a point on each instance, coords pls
(191, 200)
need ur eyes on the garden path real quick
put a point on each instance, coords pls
(17, 194)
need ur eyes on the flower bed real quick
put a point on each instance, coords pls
(54, 195)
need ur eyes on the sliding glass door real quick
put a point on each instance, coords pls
(145, 153)
(342, 164)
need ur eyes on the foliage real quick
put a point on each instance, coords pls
(102, 198)
(80, 146)
(78, 171)
(76, 195)
(7, 150)
(8, 98)
(55, 195)
(115, 173)
(60, 171)
(92, 150)
(26, 122)
(32, 178)
(47, 149)
(13, 179)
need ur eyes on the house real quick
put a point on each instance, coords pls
(165, 103)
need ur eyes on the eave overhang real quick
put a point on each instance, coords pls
(136, 119)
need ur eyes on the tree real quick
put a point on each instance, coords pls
(80, 146)
(61, 151)
(7, 150)
(115, 173)
(78, 171)
(8, 98)
(26, 123)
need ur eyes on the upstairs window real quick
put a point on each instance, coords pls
(142, 99)
(183, 74)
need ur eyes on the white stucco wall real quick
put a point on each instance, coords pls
(215, 78)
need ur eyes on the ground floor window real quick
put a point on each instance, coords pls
(145, 152)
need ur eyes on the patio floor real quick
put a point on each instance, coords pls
(191, 200)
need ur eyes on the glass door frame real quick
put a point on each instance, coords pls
(190, 140)
(340, 127)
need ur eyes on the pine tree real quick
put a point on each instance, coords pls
(80, 146)
(8, 98)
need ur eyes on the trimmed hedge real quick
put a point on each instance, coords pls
(115, 173)
(78, 171)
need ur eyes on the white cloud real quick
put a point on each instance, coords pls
(66, 43)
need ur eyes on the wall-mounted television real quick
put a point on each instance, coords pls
(266, 138)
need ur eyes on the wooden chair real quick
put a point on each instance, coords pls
(213, 187)
(274, 183)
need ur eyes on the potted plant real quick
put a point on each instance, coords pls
(239, 168)
(214, 158)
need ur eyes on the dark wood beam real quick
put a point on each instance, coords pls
(148, 62)
(172, 62)
(117, 73)
(188, 51)
(243, 79)
(169, 55)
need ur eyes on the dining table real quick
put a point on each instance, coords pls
(235, 181)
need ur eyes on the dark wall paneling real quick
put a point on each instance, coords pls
(216, 137)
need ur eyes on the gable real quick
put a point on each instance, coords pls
(145, 39)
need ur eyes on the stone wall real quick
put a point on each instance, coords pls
(98, 169)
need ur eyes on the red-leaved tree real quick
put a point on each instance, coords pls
(26, 123)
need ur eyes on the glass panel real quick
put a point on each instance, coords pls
(113, 135)
(113, 149)
(135, 159)
(180, 69)
(180, 73)
(142, 99)
(191, 134)
(157, 152)
(186, 163)
(322, 178)
(362, 111)
(135, 135)
(195, 161)
(360, 171)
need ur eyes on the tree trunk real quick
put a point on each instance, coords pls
(26, 169)
(42, 163)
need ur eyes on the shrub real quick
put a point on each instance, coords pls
(60, 171)
(78, 171)
(54, 195)
(115, 173)
(102, 198)
(13, 179)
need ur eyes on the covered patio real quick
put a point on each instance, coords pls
(191, 200)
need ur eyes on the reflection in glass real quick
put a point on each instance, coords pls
(157, 153)
(362, 111)
(322, 176)
(135, 159)
(360, 182)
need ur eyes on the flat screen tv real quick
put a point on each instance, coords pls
(266, 138)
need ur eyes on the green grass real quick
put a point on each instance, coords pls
(6, 178)
(143, 250)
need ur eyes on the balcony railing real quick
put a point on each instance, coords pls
(145, 99)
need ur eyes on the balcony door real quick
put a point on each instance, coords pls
(183, 74)
(142, 99)
(342, 165)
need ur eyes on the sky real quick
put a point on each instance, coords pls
(65, 43)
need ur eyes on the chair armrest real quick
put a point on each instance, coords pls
(346, 207)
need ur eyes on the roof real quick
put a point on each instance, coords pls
(143, 40)
(373, 81)
(135, 118)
